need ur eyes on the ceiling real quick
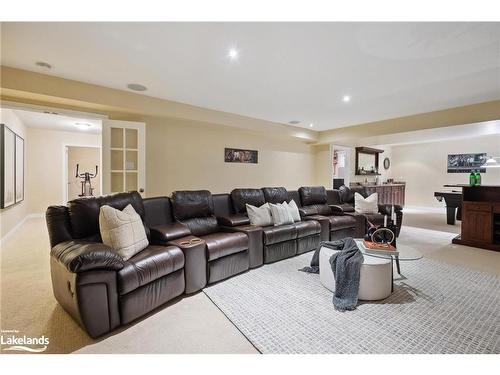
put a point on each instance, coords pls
(52, 121)
(283, 72)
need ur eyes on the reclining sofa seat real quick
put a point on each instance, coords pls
(227, 252)
(346, 206)
(278, 242)
(166, 231)
(314, 207)
(230, 221)
(92, 282)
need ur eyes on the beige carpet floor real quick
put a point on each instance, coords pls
(188, 325)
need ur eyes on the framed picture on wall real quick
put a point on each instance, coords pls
(236, 155)
(7, 166)
(466, 163)
(19, 169)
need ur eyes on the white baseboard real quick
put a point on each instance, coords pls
(9, 234)
(437, 210)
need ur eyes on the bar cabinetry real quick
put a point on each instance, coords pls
(480, 217)
(388, 193)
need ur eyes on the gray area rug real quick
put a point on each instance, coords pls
(435, 308)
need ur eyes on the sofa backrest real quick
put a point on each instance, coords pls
(158, 211)
(347, 193)
(310, 195)
(275, 194)
(333, 197)
(195, 208)
(314, 200)
(241, 197)
(84, 212)
(222, 204)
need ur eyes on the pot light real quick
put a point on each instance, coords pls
(136, 87)
(346, 98)
(233, 54)
(82, 125)
(311, 125)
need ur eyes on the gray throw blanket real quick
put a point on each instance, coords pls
(346, 266)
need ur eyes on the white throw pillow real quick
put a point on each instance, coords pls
(122, 230)
(259, 216)
(368, 205)
(294, 210)
(280, 213)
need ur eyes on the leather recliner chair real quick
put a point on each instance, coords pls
(92, 282)
(345, 197)
(166, 231)
(335, 225)
(227, 252)
(278, 242)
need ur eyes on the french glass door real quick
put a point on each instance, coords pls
(124, 156)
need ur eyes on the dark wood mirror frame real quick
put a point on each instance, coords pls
(371, 151)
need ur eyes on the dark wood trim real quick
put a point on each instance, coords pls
(488, 246)
(371, 151)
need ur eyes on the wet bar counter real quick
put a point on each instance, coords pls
(388, 193)
(480, 217)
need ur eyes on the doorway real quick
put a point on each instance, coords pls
(81, 160)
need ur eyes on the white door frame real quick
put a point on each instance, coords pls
(107, 124)
(65, 167)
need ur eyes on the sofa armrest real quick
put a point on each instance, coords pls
(336, 209)
(161, 234)
(307, 211)
(233, 220)
(80, 256)
(325, 225)
(255, 242)
(195, 264)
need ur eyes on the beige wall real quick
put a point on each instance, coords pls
(45, 155)
(184, 154)
(469, 114)
(13, 215)
(87, 158)
(423, 167)
(323, 167)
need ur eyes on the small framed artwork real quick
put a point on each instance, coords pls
(466, 163)
(19, 179)
(7, 166)
(236, 155)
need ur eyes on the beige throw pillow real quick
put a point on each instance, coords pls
(280, 213)
(368, 205)
(122, 230)
(259, 216)
(294, 210)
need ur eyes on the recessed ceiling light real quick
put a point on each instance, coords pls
(43, 64)
(233, 54)
(82, 125)
(137, 87)
(346, 98)
(311, 125)
(294, 122)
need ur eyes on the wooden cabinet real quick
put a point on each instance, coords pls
(480, 217)
(477, 222)
(388, 194)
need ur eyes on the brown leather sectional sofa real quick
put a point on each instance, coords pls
(196, 238)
